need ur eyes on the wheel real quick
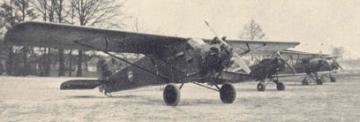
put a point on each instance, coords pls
(305, 81)
(319, 82)
(261, 86)
(171, 95)
(280, 86)
(332, 78)
(227, 93)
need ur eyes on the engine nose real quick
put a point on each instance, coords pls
(216, 59)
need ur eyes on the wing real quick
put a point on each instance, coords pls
(260, 47)
(87, 38)
(303, 55)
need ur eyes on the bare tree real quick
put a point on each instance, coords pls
(47, 10)
(42, 8)
(53, 11)
(59, 11)
(338, 51)
(93, 12)
(14, 12)
(136, 26)
(252, 31)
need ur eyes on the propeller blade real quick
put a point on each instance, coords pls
(291, 67)
(240, 61)
(212, 29)
(237, 59)
(338, 65)
(287, 63)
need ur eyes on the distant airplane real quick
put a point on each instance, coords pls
(168, 60)
(295, 63)
(266, 69)
(312, 64)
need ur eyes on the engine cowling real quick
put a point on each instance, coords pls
(215, 57)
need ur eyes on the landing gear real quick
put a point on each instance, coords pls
(261, 86)
(105, 90)
(305, 81)
(308, 79)
(227, 93)
(319, 82)
(171, 95)
(332, 78)
(280, 86)
(317, 79)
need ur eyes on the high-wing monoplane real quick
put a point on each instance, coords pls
(312, 64)
(289, 63)
(265, 69)
(168, 60)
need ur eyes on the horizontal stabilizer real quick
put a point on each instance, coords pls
(79, 84)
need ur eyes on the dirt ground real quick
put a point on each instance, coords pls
(39, 99)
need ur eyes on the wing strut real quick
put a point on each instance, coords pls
(122, 59)
(248, 50)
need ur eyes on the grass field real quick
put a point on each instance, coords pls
(39, 99)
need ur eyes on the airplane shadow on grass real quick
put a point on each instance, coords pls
(100, 97)
(149, 100)
(254, 90)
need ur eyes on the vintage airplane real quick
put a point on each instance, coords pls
(313, 64)
(289, 63)
(266, 69)
(168, 60)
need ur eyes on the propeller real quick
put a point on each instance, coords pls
(334, 61)
(277, 54)
(237, 59)
(339, 65)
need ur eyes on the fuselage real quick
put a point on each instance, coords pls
(195, 60)
(316, 65)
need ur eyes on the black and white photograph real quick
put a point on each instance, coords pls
(179, 60)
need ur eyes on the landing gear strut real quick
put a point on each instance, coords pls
(305, 81)
(319, 82)
(171, 95)
(332, 78)
(280, 86)
(227, 93)
(105, 90)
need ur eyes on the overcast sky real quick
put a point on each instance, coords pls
(317, 24)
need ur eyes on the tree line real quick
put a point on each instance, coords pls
(27, 60)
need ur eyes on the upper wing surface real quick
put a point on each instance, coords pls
(87, 38)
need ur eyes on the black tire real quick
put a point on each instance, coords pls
(171, 95)
(227, 93)
(305, 82)
(319, 82)
(332, 78)
(280, 86)
(261, 86)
